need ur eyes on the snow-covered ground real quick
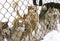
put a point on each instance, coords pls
(52, 36)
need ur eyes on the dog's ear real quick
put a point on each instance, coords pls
(32, 9)
(29, 7)
(44, 7)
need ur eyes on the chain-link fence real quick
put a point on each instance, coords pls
(8, 13)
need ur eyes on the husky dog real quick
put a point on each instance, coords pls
(46, 6)
(48, 17)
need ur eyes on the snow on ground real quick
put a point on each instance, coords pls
(5, 39)
(54, 35)
(58, 27)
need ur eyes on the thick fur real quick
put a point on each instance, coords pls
(4, 31)
(48, 17)
(31, 20)
(52, 5)
(50, 21)
(45, 8)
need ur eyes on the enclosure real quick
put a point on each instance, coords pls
(20, 20)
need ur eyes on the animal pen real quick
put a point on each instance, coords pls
(21, 20)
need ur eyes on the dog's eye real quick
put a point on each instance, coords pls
(35, 10)
(54, 16)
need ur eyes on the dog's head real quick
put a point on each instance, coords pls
(32, 9)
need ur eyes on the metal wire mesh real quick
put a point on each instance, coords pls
(7, 12)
